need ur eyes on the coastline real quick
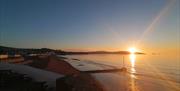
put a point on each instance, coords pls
(72, 78)
(76, 77)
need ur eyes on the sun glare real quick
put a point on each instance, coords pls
(132, 50)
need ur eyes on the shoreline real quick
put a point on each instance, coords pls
(95, 80)
(73, 77)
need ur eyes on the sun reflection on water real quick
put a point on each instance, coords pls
(134, 87)
(132, 60)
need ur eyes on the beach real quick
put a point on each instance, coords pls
(57, 73)
(79, 75)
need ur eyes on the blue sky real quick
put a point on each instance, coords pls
(86, 24)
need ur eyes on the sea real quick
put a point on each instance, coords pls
(150, 72)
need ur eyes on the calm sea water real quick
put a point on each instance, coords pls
(152, 66)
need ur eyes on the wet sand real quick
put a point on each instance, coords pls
(53, 64)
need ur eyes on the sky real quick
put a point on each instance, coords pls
(85, 25)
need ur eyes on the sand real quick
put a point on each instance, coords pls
(74, 79)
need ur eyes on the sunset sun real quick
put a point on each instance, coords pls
(132, 50)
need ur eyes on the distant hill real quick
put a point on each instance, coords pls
(102, 52)
(11, 50)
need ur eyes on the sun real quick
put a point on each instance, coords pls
(132, 50)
